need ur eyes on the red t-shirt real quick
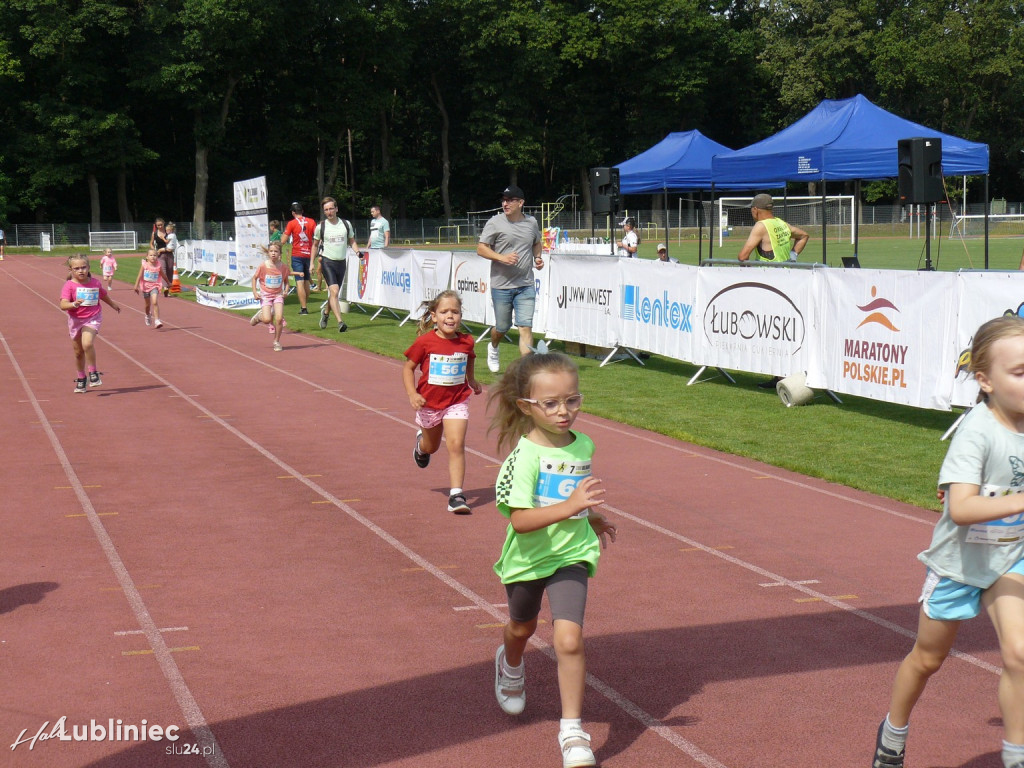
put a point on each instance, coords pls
(443, 364)
(301, 232)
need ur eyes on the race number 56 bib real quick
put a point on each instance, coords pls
(1006, 530)
(89, 297)
(557, 480)
(447, 370)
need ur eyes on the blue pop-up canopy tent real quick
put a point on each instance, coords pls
(847, 139)
(680, 162)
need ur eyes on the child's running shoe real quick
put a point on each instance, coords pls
(277, 346)
(255, 319)
(149, 319)
(457, 504)
(510, 691)
(159, 324)
(79, 385)
(576, 751)
(94, 379)
(422, 459)
(885, 758)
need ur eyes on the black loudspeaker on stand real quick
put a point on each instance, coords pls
(604, 190)
(920, 179)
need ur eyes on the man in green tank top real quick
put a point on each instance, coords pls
(771, 239)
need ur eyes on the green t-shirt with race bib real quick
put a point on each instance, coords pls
(537, 476)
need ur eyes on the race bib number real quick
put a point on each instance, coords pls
(151, 275)
(108, 271)
(447, 370)
(557, 480)
(89, 297)
(1006, 530)
(273, 281)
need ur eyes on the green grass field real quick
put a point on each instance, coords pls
(891, 450)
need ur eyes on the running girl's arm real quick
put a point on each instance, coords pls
(138, 280)
(67, 304)
(601, 527)
(967, 507)
(255, 284)
(111, 303)
(409, 379)
(471, 377)
(585, 495)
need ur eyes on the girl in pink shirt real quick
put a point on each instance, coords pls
(108, 264)
(268, 284)
(149, 281)
(80, 298)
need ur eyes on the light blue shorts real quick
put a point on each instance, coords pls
(523, 299)
(947, 600)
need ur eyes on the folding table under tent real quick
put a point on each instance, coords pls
(681, 162)
(843, 140)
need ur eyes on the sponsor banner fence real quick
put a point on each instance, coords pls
(583, 294)
(981, 296)
(754, 319)
(471, 277)
(400, 280)
(657, 308)
(226, 299)
(886, 335)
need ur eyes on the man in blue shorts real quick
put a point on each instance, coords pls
(511, 240)
(299, 232)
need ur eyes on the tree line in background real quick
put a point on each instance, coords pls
(120, 110)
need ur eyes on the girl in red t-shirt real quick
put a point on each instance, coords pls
(445, 358)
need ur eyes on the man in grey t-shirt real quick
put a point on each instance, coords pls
(511, 240)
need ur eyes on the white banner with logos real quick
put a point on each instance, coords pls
(657, 307)
(400, 280)
(756, 319)
(981, 296)
(236, 299)
(252, 228)
(886, 335)
(582, 299)
(471, 277)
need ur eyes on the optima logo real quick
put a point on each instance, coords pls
(397, 279)
(464, 285)
(661, 311)
(756, 313)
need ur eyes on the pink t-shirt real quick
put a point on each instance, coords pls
(108, 264)
(90, 292)
(271, 279)
(151, 277)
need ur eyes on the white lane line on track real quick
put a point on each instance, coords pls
(186, 701)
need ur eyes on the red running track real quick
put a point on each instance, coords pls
(236, 543)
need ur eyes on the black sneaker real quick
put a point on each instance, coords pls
(323, 320)
(94, 379)
(79, 385)
(342, 327)
(885, 758)
(422, 459)
(458, 505)
(303, 311)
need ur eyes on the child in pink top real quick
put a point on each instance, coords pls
(80, 298)
(149, 281)
(108, 264)
(268, 284)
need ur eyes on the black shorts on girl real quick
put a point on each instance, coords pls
(567, 595)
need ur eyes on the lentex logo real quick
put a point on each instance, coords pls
(659, 311)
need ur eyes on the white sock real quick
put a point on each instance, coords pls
(455, 491)
(1013, 754)
(894, 738)
(565, 724)
(511, 671)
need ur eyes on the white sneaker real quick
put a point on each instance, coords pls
(576, 751)
(510, 691)
(149, 320)
(493, 359)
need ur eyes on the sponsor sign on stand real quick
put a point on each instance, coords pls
(657, 314)
(582, 299)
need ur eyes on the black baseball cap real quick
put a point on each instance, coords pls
(512, 191)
